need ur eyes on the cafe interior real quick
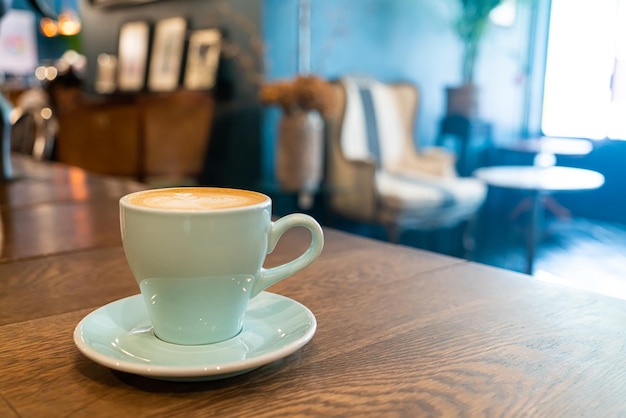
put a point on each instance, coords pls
(444, 234)
(189, 92)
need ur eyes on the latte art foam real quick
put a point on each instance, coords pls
(195, 198)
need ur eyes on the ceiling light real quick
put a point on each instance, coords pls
(49, 27)
(69, 23)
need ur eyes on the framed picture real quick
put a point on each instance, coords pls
(167, 54)
(132, 55)
(105, 74)
(203, 58)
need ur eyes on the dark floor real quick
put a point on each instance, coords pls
(580, 252)
(577, 252)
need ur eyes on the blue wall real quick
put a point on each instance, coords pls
(413, 40)
(399, 40)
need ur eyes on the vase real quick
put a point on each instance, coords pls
(299, 160)
(462, 101)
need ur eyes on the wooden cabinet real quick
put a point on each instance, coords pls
(151, 137)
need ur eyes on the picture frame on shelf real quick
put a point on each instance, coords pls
(203, 57)
(132, 55)
(105, 74)
(166, 59)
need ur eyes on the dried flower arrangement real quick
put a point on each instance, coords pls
(302, 93)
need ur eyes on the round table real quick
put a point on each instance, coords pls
(539, 182)
(552, 145)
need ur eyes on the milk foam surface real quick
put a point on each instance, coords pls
(195, 198)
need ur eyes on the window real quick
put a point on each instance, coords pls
(585, 82)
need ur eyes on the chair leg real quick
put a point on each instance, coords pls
(393, 232)
(469, 243)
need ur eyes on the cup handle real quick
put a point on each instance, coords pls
(270, 276)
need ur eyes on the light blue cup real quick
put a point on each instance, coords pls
(197, 268)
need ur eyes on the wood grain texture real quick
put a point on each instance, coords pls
(439, 343)
(401, 332)
(42, 182)
(73, 185)
(6, 410)
(45, 286)
(47, 229)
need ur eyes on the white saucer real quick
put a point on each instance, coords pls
(119, 335)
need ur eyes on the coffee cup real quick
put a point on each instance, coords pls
(197, 254)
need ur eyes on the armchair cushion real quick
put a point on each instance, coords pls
(407, 188)
(422, 193)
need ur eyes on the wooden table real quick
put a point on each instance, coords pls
(401, 332)
(552, 146)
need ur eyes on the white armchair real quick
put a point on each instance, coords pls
(376, 174)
